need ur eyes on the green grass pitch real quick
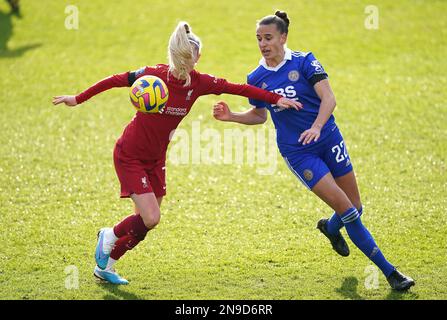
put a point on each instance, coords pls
(227, 232)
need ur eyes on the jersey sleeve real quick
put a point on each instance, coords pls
(312, 69)
(116, 80)
(213, 85)
(125, 79)
(144, 71)
(254, 102)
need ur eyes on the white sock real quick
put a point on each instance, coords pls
(110, 264)
(109, 240)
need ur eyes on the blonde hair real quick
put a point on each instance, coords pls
(184, 46)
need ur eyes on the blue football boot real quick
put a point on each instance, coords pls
(109, 276)
(100, 256)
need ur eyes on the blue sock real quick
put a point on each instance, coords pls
(335, 224)
(361, 237)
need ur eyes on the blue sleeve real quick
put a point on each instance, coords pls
(312, 69)
(253, 102)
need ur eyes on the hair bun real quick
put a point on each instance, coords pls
(187, 29)
(283, 15)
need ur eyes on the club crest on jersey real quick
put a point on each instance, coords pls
(308, 174)
(294, 75)
(188, 96)
(144, 182)
(264, 85)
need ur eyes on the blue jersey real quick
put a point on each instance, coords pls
(293, 78)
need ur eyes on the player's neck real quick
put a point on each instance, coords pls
(274, 61)
(176, 74)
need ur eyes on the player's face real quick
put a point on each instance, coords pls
(270, 41)
(196, 55)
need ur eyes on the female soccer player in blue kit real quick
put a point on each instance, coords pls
(309, 140)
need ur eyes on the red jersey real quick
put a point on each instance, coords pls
(147, 136)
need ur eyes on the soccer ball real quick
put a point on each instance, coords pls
(149, 94)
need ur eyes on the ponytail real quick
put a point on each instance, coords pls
(182, 51)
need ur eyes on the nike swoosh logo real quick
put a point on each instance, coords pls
(101, 239)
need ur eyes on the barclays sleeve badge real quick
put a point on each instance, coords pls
(317, 65)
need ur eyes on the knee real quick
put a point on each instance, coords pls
(151, 218)
(342, 205)
(359, 208)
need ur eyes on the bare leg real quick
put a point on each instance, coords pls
(133, 229)
(329, 191)
(348, 184)
(159, 200)
(147, 206)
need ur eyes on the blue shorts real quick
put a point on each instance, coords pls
(313, 163)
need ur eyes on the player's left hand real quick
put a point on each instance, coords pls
(312, 134)
(68, 100)
(288, 103)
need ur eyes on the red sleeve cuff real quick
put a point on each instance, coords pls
(78, 99)
(275, 98)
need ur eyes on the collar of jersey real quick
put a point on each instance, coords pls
(287, 56)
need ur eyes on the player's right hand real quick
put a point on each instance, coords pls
(289, 103)
(221, 111)
(68, 100)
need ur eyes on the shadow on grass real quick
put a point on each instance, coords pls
(116, 292)
(19, 51)
(349, 286)
(402, 295)
(6, 27)
(348, 289)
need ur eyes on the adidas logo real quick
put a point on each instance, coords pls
(348, 162)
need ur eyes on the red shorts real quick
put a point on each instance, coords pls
(138, 176)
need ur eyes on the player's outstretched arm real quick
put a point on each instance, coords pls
(114, 81)
(213, 85)
(256, 93)
(222, 112)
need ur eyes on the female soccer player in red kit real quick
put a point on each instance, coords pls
(140, 153)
